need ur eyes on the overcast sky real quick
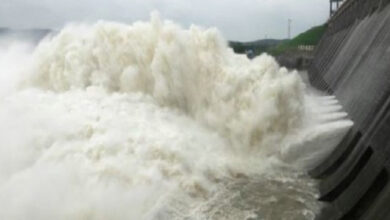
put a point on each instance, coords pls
(237, 19)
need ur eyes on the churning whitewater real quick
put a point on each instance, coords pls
(153, 121)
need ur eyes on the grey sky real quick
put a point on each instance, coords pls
(237, 19)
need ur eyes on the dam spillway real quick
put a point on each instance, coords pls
(150, 121)
(154, 121)
(352, 62)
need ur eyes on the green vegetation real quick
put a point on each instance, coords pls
(277, 47)
(310, 37)
(258, 47)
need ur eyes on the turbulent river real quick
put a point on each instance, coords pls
(153, 121)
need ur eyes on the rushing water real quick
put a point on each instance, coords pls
(152, 121)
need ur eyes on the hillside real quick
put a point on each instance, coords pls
(310, 37)
(277, 47)
(258, 47)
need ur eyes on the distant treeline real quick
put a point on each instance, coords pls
(277, 47)
(257, 47)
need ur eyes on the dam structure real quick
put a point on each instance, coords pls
(352, 62)
(151, 120)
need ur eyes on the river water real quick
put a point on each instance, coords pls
(153, 121)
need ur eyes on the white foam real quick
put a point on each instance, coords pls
(112, 121)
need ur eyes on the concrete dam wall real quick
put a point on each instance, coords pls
(352, 62)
